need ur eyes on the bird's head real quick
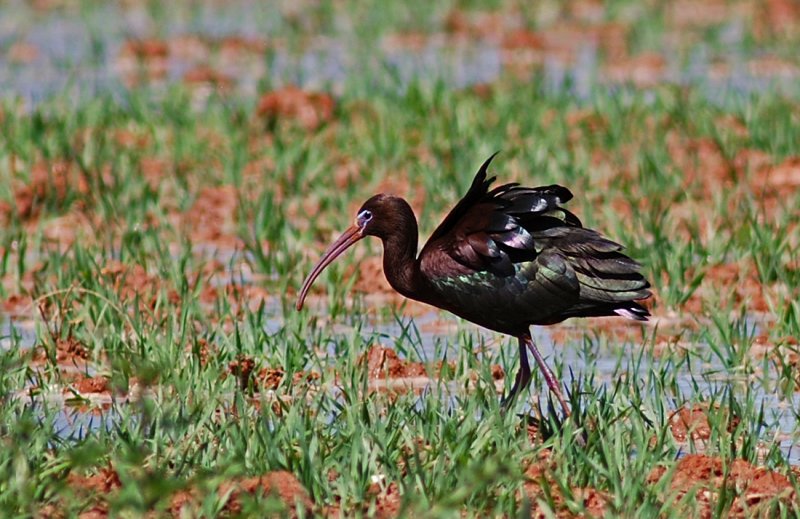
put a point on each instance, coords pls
(379, 216)
(382, 216)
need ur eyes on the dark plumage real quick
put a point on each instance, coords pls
(505, 259)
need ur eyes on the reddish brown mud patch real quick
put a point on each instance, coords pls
(68, 351)
(687, 14)
(278, 484)
(131, 139)
(523, 51)
(388, 501)
(241, 296)
(383, 501)
(783, 178)
(22, 52)
(142, 60)
(703, 477)
(477, 24)
(84, 384)
(783, 352)
(704, 166)
(154, 170)
(95, 487)
(212, 217)
(346, 172)
(50, 182)
(736, 282)
(540, 486)
(131, 282)
(244, 368)
(643, 71)
(202, 350)
(777, 19)
(17, 304)
(203, 75)
(308, 109)
(383, 362)
(370, 278)
(236, 45)
(281, 484)
(103, 481)
(691, 423)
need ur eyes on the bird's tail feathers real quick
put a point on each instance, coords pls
(634, 311)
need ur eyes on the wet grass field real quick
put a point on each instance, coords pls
(165, 188)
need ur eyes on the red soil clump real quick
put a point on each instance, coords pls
(68, 351)
(279, 484)
(739, 282)
(95, 487)
(154, 170)
(146, 48)
(244, 369)
(49, 181)
(388, 501)
(131, 282)
(239, 296)
(309, 109)
(369, 277)
(383, 362)
(212, 217)
(16, 304)
(22, 52)
(781, 178)
(202, 350)
(701, 161)
(524, 50)
(131, 139)
(644, 71)
(84, 384)
(540, 485)
(142, 60)
(346, 171)
(235, 45)
(701, 476)
(691, 423)
(203, 75)
(102, 482)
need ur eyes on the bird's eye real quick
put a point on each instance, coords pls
(364, 216)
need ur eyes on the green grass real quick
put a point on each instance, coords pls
(449, 451)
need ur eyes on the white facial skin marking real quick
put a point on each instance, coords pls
(363, 217)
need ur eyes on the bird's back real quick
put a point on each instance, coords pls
(513, 257)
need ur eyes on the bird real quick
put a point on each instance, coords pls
(506, 259)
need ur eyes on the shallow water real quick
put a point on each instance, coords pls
(697, 378)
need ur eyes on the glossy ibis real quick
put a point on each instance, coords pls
(504, 259)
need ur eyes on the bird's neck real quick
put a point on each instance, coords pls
(400, 257)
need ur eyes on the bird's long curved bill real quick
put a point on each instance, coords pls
(349, 237)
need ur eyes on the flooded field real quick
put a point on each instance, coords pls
(168, 176)
(235, 48)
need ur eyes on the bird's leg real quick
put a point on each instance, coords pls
(523, 376)
(549, 377)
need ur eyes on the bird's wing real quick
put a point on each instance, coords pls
(515, 251)
(494, 230)
(478, 189)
